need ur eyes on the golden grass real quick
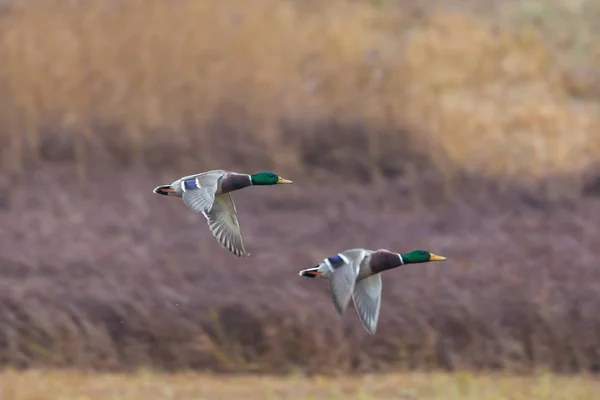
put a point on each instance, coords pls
(158, 77)
(413, 386)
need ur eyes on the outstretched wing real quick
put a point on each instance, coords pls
(224, 224)
(345, 267)
(199, 190)
(367, 300)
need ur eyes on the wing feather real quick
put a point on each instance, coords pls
(201, 199)
(367, 301)
(224, 225)
(343, 278)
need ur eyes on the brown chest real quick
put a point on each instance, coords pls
(232, 182)
(382, 260)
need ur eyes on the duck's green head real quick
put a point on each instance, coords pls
(267, 178)
(420, 256)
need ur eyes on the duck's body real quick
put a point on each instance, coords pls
(209, 193)
(356, 273)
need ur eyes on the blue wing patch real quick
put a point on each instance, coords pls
(336, 261)
(190, 184)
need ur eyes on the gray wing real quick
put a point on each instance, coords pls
(367, 300)
(343, 279)
(201, 199)
(224, 225)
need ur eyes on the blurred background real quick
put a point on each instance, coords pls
(469, 128)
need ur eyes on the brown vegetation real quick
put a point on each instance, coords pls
(439, 130)
(104, 275)
(153, 82)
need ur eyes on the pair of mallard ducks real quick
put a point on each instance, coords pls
(353, 273)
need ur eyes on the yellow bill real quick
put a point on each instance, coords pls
(433, 257)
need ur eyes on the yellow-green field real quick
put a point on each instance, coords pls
(464, 386)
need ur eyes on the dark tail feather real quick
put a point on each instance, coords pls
(310, 272)
(165, 190)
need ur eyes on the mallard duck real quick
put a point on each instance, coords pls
(356, 273)
(209, 193)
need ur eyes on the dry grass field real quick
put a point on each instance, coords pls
(149, 82)
(468, 128)
(36, 385)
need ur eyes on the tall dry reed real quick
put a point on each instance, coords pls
(272, 83)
